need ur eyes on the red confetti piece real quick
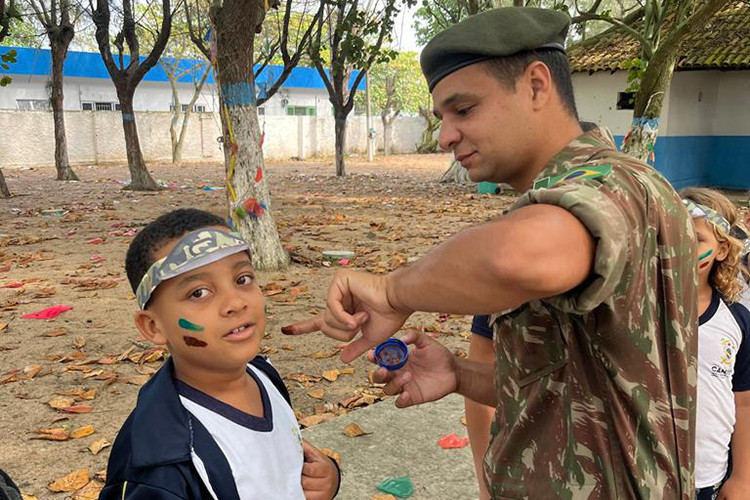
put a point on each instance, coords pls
(259, 175)
(13, 284)
(95, 241)
(453, 441)
(49, 313)
(97, 258)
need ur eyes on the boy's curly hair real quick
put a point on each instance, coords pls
(724, 274)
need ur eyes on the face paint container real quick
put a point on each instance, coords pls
(392, 354)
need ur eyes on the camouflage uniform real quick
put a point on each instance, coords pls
(596, 387)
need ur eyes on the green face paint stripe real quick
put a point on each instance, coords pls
(188, 325)
(705, 255)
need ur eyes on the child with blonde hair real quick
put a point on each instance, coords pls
(722, 458)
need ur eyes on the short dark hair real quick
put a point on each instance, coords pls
(508, 69)
(167, 227)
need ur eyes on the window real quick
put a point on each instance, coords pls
(261, 111)
(87, 106)
(103, 106)
(626, 100)
(301, 111)
(117, 106)
(32, 104)
(198, 108)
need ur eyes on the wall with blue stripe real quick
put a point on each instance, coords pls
(704, 135)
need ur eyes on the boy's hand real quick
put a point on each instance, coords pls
(320, 477)
(736, 488)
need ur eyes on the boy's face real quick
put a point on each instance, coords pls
(709, 248)
(211, 318)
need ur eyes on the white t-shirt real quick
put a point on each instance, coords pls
(265, 454)
(723, 368)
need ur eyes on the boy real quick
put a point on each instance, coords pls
(215, 421)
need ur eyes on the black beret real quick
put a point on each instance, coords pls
(494, 33)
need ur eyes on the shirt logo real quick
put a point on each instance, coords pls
(726, 360)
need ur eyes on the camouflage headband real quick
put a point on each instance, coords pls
(195, 249)
(697, 210)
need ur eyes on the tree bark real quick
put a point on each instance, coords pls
(235, 23)
(59, 46)
(4, 191)
(428, 143)
(140, 177)
(180, 144)
(340, 132)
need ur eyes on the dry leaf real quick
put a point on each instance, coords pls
(102, 475)
(77, 409)
(88, 395)
(60, 403)
(89, 492)
(331, 375)
(82, 432)
(302, 378)
(3, 326)
(79, 342)
(323, 355)
(31, 371)
(377, 496)
(332, 454)
(56, 332)
(286, 347)
(353, 430)
(26, 496)
(315, 419)
(463, 419)
(98, 445)
(137, 379)
(58, 434)
(349, 370)
(316, 393)
(72, 482)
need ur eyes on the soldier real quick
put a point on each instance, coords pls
(590, 279)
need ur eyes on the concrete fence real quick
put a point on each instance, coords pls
(27, 137)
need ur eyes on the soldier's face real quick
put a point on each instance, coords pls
(212, 318)
(488, 126)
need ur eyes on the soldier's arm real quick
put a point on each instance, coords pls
(535, 252)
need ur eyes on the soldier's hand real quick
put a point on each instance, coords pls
(430, 373)
(356, 302)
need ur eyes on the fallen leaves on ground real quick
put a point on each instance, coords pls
(354, 430)
(72, 482)
(332, 375)
(98, 445)
(311, 420)
(316, 393)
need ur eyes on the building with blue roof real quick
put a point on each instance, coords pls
(87, 86)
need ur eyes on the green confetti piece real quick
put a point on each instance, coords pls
(400, 487)
(188, 325)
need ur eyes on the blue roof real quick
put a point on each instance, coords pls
(33, 61)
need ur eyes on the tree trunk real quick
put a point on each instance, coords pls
(428, 143)
(340, 129)
(235, 24)
(4, 191)
(455, 174)
(140, 178)
(649, 100)
(386, 135)
(176, 110)
(178, 147)
(59, 51)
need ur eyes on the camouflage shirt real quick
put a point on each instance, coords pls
(596, 387)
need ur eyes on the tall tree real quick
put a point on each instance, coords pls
(227, 38)
(127, 73)
(395, 88)
(355, 40)
(7, 13)
(58, 19)
(178, 127)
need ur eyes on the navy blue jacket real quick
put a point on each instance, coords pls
(151, 455)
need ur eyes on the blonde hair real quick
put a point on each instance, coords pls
(724, 274)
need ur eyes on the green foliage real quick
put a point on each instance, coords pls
(267, 41)
(23, 33)
(6, 60)
(636, 69)
(409, 89)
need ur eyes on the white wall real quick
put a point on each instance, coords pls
(732, 116)
(317, 98)
(27, 139)
(596, 98)
(692, 103)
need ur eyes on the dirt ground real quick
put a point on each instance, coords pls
(85, 367)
